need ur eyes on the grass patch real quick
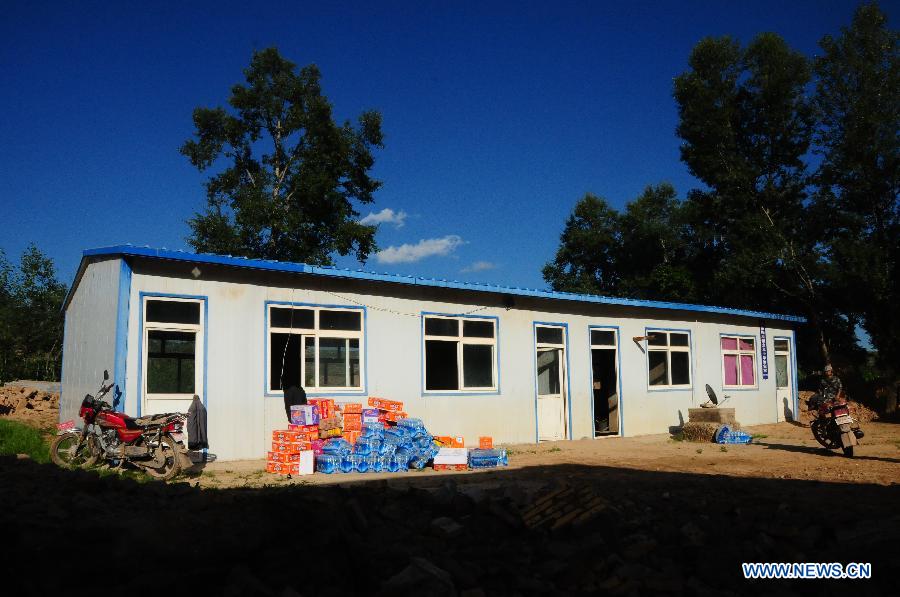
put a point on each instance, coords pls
(555, 449)
(723, 449)
(19, 438)
(759, 436)
(678, 437)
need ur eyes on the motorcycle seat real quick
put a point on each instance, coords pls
(152, 419)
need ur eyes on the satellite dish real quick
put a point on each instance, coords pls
(712, 395)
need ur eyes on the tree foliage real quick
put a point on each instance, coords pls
(31, 323)
(291, 175)
(772, 228)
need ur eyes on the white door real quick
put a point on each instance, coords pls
(551, 408)
(784, 395)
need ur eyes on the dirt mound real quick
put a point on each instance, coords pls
(29, 405)
(860, 412)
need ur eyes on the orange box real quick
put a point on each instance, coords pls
(326, 407)
(352, 408)
(383, 404)
(327, 433)
(285, 436)
(303, 428)
(290, 447)
(486, 443)
(351, 436)
(458, 442)
(444, 440)
(357, 426)
(284, 457)
(283, 468)
(353, 418)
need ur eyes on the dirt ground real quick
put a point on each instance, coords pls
(779, 451)
(631, 516)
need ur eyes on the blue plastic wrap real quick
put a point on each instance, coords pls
(360, 463)
(327, 463)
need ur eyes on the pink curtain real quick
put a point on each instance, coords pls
(747, 371)
(746, 344)
(729, 343)
(730, 370)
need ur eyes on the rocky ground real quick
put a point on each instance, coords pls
(629, 516)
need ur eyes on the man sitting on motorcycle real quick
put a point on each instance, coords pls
(830, 386)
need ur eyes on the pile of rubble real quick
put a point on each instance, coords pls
(860, 412)
(30, 405)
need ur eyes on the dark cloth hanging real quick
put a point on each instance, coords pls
(196, 425)
(293, 396)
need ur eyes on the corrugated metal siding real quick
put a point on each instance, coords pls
(241, 417)
(90, 334)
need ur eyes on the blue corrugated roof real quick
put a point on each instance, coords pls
(334, 272)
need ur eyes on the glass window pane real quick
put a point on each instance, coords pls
(284, 361)
(441, 368)
(681, 368)
(302, 318)
(731, 372)
(171, 362)
(658, 339)
(781, 346)
(478, 329)
(659, 374)
(549, 335)
(436, 326)
(548, 372)
(747, 343)
(354, 363)
(729, 343)
(340, 320)
(603, 337)
(748, 373)
(332, 362)
(309, 362)
(678, 339)
(781, 371)
(478, 366)
(173, 311)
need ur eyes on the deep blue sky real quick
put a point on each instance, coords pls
(498, 116)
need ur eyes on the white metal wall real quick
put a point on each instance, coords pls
(90, 335)
(241, 418)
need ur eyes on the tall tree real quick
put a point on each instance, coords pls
(747, 124)
(858, 98)
(291, 174)
(587, 260)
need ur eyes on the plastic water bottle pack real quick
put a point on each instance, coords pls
(328, 463)
(495, 457)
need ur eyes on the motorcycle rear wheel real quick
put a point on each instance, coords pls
(848, 451)
(170, 467)
(66, 453)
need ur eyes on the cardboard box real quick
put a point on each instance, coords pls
(445, 441)
(283, 468)
(329, 433)
(306, 463)
(370, 415)
(486, 443)
(458, 442)
(383, 404)
(452, 456)
(351, 408)
(451, 467)
(329, 423)
(357, 426)
(285, 436)
(325, 406)
(316, 446)
(351, 436)
(289, 447)
(305, 414)
(283, 457)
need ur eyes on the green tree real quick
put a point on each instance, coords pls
(858, 98)
(587, 259)
(31, 325)
(291, 174)
(747, 125)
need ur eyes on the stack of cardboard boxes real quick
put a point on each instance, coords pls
(290, 454)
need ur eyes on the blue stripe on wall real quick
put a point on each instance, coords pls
(122, 311)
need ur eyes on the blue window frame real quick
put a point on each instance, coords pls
(460, 354)
(669, 359)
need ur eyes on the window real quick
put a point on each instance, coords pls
(315, 347)
(739, 361)
(172, 344)
(460, 354)
(668, 358)
(782, 353)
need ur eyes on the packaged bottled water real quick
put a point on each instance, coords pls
(360, 463)
(337, 445)
(372, 430)
(411, 424)
(479, 458)
(387, 449)
(375, 463)
(391, 465)
(346, 465)
(327, 463)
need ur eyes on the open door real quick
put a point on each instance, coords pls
(550, 361)
(605, 382)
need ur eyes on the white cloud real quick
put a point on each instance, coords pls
(429, 247)
(478, 266)
(385, 216)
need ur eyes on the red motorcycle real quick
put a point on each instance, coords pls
(154, 443)
(832, 425)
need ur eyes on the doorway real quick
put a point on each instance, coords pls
(784, 395)
(550, 363)
(605, 381)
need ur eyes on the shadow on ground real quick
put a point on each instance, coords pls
(649, 532)
(822, 451)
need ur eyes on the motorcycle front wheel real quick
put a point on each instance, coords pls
(820, 432)
(68, 451)
(170, 466)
